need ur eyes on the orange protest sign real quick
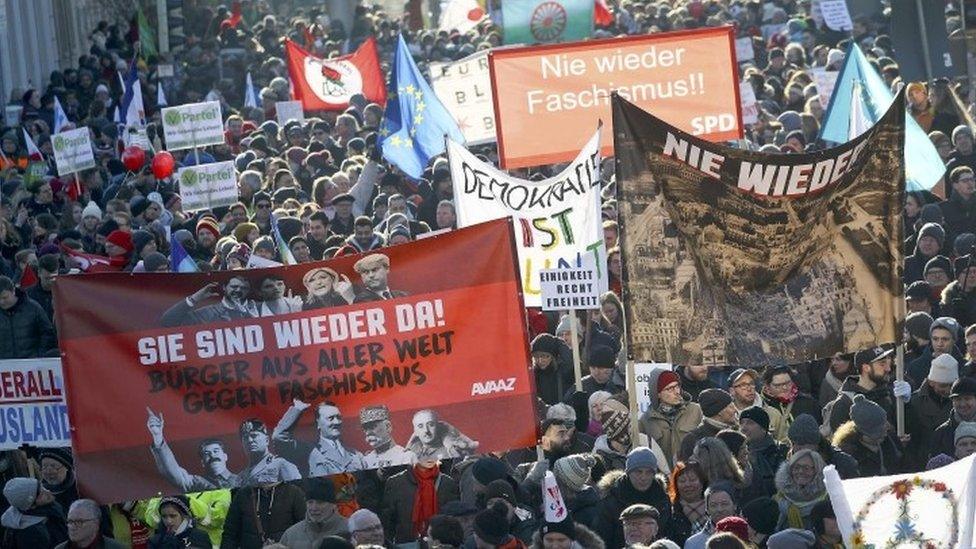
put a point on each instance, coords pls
(548, 98)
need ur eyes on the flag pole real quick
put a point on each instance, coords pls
(632, 404)
(900, 402)
(574, 335)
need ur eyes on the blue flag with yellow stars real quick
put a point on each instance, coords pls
(415, 121)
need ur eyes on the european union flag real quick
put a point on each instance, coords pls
(923, 166)
(415, 121)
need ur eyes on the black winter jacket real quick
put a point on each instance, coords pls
(25, 330)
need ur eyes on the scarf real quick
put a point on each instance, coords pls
(425, 499)
(719, 425)
(788, 398)
(695, 513)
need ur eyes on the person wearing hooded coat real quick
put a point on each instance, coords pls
(176, 528)
(34, 519)
(669, 422)
(581, 536)
(799, 488)
(552, 377)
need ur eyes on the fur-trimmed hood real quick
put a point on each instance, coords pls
(585, 539)
(787, 488)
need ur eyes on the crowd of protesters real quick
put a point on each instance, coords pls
(723, 459)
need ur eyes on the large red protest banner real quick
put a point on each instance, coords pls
(181, 382)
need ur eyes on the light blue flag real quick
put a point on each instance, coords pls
(415, 122)
(923, 166)
(179, 260)
(60, 119)
(546, 21)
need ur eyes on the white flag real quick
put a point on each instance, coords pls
(250, 100)
(553, 498)
(913, 510)
(462, 15)
(860, 121)
(160, 96)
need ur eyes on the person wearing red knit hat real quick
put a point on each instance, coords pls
(208, 232)
(734, 525)
(671, 415)
(118, 244)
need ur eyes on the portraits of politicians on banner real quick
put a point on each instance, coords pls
(378, 432)
(326, 288)
(327, 455)
(263, 466)
(374, 270)
(434, 438)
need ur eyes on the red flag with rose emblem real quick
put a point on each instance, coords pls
(328, 84)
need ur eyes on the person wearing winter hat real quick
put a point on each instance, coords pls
(873, 367)
(930, 407)
(938, 273)
(917, 327)
(58, 474)
(365, 528)
(595, 405)
(501, 494)
(792, 538)
(118, 246)
(931, 238)
(601, 362)
(865, 438)
(34, 518)
(491, 528)
(761, 514)
(640, 524)
(207, 233)
(559, 535)
(920, 298)
(718, 412)
(615, 443)
(156, 263)
(671, 416)
(943, 333)
(638, 484)
(552, 378)
(734, 525)
(957, 208)
(176, 526)
(963, 397)
(563, 331)
(965, 439)
(322, 517)
(765, 453)
(799, 486)
(246, 233)
(573, 472)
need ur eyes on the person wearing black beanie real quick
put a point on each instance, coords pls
(762, 514)
(552, 377)
(601, 362)
(491, 526)
(765, 453)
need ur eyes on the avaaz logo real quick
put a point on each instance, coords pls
(493, 386)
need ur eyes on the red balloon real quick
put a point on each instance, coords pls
(163, 165)
(133, 158)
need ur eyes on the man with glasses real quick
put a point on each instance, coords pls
(783, 401)
(672, 414)
(365, 528)
(261, 204)
(742, 387)
(84, 518)
(959, 210)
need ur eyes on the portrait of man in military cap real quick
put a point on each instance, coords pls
(378, 432)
